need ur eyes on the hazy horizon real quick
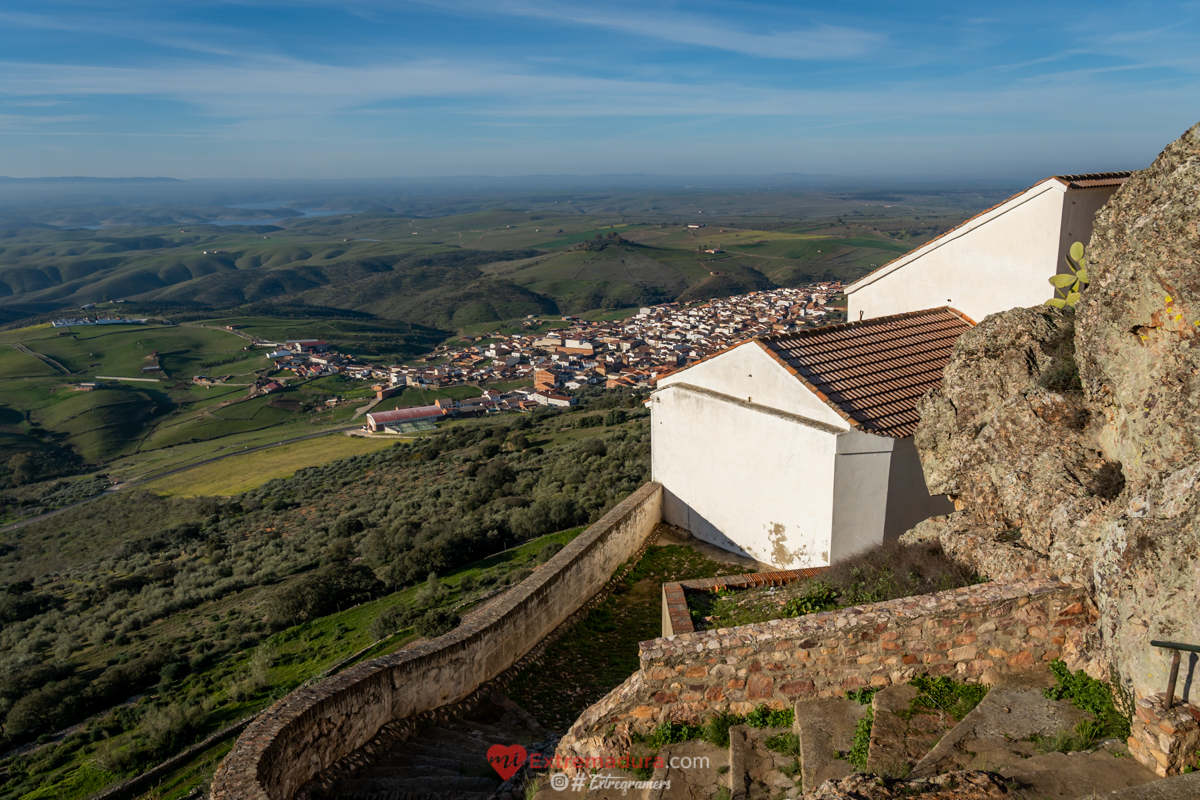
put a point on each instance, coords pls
(427, 89)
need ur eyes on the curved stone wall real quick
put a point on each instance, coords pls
(316, 727)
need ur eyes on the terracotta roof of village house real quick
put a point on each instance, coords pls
(874, 371)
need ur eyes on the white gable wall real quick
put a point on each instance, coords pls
(997, 261)
(742, 476)
(749, 373)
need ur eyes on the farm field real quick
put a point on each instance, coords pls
(130, 419)
(15, 364)
(123, 350)
(151, 462)
(241, 473)
(416, 396)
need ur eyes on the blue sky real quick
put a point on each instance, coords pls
(421, 88)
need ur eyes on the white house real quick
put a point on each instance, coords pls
(797, 449)
(997, 260)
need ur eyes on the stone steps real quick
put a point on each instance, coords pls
(826, 729)
(449, 738)
(990, 746)
(447, 759)
(397, 760)
(900, 737)
(998, 731)
(757, 772)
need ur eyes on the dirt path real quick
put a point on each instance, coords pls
(213, 328)
(47, 360)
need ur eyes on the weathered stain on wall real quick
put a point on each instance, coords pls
(316, 727)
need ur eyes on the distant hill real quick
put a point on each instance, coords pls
(445, 273)
(81, 179)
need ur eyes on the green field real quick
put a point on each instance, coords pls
(415, 396)
(447, 272)
(15, 364)
(241, 473)
(126, 418)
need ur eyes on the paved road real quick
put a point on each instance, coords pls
(155, 476)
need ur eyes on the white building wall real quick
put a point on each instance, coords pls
(997, 261)
(749, 373)
(751, 479)
(860, 497)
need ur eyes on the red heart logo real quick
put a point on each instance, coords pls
(506, 760)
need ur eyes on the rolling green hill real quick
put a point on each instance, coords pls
(448, 272)
(377, 285)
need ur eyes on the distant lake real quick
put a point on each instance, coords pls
(308, 213)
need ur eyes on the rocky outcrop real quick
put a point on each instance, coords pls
(1009, 437)
(1069, 440)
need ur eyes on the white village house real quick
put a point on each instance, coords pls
(999, 259)
(797, 449)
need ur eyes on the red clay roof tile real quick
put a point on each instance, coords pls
(874, 371)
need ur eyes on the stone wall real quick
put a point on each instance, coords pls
(678, 619)
(1165, 739)
(960, 633)
(316, 727)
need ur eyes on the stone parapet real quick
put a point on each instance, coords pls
(1165, 739)
(318, 727)
(961, 633)
(676, 617)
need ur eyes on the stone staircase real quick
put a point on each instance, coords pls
(446, 761)
(918, 750)
(744, 770)
(992, 752)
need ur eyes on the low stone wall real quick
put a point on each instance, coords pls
(1165, 739)
(678, 619)
(960, 633)
(319, 726)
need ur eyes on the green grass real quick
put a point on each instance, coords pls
(102, 423)
(241, 473)
(15, 364)
(1113, 708)
(416, 396)
(946, 696)
(123, 350)
(601, 651)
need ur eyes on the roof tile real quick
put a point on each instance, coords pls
(874, 371)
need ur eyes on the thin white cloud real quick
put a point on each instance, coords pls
(298, 90)
(819, 41)
(192, 37)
